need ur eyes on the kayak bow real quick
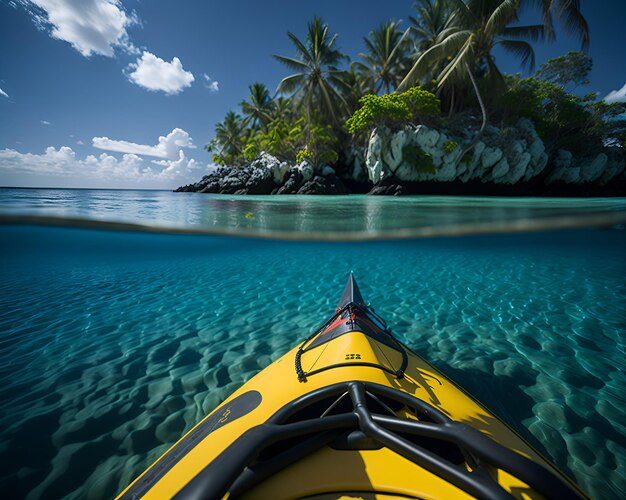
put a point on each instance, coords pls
(351, 412)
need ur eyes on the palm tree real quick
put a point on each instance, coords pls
(569, 12)
(282, 109)
(466, 47)
(228, 140)
(257, 111)
(318, 79)
(434, 21)
(434, 18)
(385, 59)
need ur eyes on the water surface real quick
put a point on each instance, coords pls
(307, 217)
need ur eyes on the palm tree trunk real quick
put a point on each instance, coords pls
(484, 123)
(451, 110)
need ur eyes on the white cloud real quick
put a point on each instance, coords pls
(153, 73)
(168, 146)
(4, 94)
(212, 85)
(45, 122)
(176, 166)
(80, 143)
(92, 170)
(616, 95)
(90, 26)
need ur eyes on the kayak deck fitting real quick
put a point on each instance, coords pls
(351, 413)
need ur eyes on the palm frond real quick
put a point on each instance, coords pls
(300, 47)
(292, 63)
(574, 22)
(521, 49)
(502, 15)
(290, 83)
(440, 51)
(535, 32)
(458, 63)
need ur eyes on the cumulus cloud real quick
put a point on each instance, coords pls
(176, 166)
(616, 95)
(45, 122)
(63, 163)
(4, 94)
(167, 147)
(153, 73)
(90, 26)
(212, 85)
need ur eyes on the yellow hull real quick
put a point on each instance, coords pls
(336, 471)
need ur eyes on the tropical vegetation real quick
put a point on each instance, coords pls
(440, 65)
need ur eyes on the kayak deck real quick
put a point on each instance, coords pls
(351, 411)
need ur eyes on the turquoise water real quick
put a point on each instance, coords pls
(312, 217)
(114, 343)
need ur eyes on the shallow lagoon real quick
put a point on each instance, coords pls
(115, 343)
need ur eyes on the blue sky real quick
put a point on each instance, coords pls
(124, 93)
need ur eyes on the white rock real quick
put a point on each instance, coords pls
(277, 167)
(613, 169)
(517, 148)
(571, 175)
(517, 171)
(446, 173)
(593, 170)
(453, 156)
(328, 170)
(500, 169)
(541, 165)
(563, 159)
(536, 149)
(306, 169)
(526, 125)
(443, 138)
(373, 160)
(474, 162)
(425, 137)
(491, 130)
(375, 171)
(490, 157)
(478, 150)
(406, 172)
(392, 155)
(437, 160)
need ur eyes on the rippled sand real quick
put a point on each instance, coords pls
(112, 345)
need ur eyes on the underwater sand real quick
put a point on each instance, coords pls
(113, 344)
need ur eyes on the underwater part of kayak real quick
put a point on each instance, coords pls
(351, 412)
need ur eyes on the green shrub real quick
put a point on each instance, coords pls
(450, 146)
(416, 156)
(564, 121)
(251, 151)
(421, 103)
(392, 109)
(303, 154)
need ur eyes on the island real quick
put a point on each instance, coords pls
(426, 110)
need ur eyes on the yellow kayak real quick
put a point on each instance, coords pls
(351, 413)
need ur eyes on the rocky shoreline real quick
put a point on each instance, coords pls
(424, 160)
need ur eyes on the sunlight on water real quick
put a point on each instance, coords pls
(114, 344)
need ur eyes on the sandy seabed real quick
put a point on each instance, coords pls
(115, 344)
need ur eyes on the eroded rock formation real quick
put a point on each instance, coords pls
(400, 161)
